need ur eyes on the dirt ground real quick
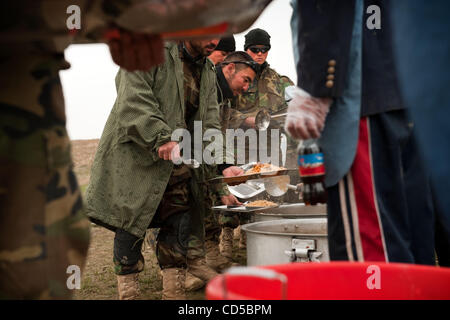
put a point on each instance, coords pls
(98, 278)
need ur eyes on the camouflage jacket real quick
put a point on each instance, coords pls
(128, 178)
(267, 91)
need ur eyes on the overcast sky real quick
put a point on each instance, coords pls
(89, 87)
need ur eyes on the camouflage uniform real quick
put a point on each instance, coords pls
(43, 226)
(213, 220)
(44, 229)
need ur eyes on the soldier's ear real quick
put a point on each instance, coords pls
(229, 69)
(232, 68)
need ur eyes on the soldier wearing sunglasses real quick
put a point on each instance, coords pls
(267, 90)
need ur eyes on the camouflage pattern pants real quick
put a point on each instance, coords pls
(173, 218)
(43, 229)
(202, 218)
(207, 224)
(215, 221)
(212, 226)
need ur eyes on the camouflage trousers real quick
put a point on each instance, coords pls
(204, 196)
(215, 221)
(173, 220)
(44, 234)
(205, 226)
(212, 226)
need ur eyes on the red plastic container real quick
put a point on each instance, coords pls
(332, 281)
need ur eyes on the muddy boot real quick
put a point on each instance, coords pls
(214, 258)
(226, 243)
(193, 283)
(128, 286)
(242, 239)
(173, 284)
(199, 268)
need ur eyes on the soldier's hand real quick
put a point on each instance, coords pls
(135, 51)
(169, 151)
(230, 200)
(306, 115)
(232, 171)
(250, 122)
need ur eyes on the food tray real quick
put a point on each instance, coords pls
(243, 178)
(246, 190)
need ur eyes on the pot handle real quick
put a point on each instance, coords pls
(303, 250)
(257, 273)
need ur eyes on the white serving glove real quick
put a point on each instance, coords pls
(306, 115)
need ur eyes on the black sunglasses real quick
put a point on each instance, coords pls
(251, 64)
(257, 50)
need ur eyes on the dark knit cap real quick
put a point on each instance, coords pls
(227, 44)
(256, 37)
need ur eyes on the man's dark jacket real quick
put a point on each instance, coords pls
(324, 35)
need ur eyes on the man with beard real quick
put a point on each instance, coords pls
(133, 186)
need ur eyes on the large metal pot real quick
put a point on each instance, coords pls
(287, 240)
(292, 211)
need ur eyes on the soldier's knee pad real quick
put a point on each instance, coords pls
(127, 253)
(176, 230)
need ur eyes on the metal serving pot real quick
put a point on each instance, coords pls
(287, 240)
(292, 211)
